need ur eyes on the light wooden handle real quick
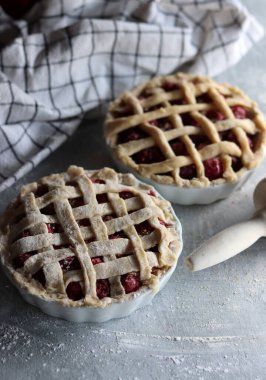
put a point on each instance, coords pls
(227, 244)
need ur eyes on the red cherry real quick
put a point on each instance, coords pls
(178, 147)
(215, 115)
(118, 235)
(76, 202)
(102, 288)
(239, 112)
(20, 259)
(54, 228)
(131, 134)
(126, 194)
(188, 172)
(70, 263)
(105, 218)
(96, 260)
(74, 291)
(170, 86)
(163, 223)
(251, 141)
(144, 228)
(84, 222)
(187, 119)
(163, 124)
(204, 98)
(102, 198)
(236, 163)
(148, 156)
(130, 282)
(213, 168)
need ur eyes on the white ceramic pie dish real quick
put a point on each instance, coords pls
(89, 314)
(189, 196)
(116, 309)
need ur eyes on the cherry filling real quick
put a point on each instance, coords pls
(144, 228)
(76, 202)
(105, 218)
(74, 291)
(228, 136)
(187, 119)
(84, 222)
(102, 198)
(200, 141)
(252, 142)
(213, 168)
(19, 260)
(96, 260)
(148, 156)
(70, 263)
(163, 223)
(188, 172)
(170, 86)
(152, 193)
(126, 194)
(130, 134)
(236, 163)
(54, 228)
(103, 288)
(118, 235)
(163, 124)
(239, 112)
(131, 282)
(204, 98)
(215, 115)
(41, 190)
(62, 246)
(178, 147)
(97, 180)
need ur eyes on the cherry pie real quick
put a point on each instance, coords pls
(186, 130)
(88, 238)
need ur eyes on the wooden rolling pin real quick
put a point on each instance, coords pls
(234, 239)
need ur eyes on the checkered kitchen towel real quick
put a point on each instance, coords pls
(65, 58)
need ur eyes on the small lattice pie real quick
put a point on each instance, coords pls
(88, 237)
(186, 130)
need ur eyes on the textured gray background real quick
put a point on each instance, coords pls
(207, 325)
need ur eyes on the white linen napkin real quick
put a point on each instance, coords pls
(65, 58)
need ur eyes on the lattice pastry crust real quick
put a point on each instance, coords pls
(95, 229)
(186, 130)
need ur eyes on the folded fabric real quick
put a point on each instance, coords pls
(65, 58)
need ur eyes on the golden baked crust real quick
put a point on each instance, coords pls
(170, 98)
(47, 223)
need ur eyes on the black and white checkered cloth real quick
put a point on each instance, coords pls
(67, 57)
